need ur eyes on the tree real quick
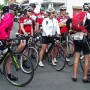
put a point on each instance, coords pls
(1, 7)
(5, 1)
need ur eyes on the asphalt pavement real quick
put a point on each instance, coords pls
(47, 78)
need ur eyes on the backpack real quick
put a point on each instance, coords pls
(77, 21)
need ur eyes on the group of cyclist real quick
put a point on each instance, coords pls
(30, 22)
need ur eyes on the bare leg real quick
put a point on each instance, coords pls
(75, 66)
(86, 66)
(8, 64)
(42, 51)
(21, 46)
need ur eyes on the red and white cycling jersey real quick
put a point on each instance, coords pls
(27, 23)
(40, 17)
(63, 20)
(34, 16)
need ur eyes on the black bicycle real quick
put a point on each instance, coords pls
(58, 51)
(30, 49)
(24, 75)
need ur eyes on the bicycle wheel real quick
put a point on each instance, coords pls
(32, 53)
(24, 78)
(70, 53)
(60, 57)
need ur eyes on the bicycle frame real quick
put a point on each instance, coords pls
(10, 52)
(51, 47)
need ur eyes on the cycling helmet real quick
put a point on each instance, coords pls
(50, 10)
(41, 9)
(86, 6)
(28, 8)
(33, 5)
(61, 8)
(5, 9)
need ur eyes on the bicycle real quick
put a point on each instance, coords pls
(24, 76)
(60, 54)
(30, 50)
(68, 46)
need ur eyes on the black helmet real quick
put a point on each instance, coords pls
(28, 8)
(86, 6)
(33, 5)
(5, 9)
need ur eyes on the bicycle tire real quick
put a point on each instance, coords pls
(33, 55)
(82, 64)
(23, 77)
(60, 57)
(70, 53)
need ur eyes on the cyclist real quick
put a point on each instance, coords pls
(62, 24)
(25, 27)
(50, 27)
(25, 22)
(62, 20)
(40, 17)
(34, 15)
(5, 30)
(81, 45)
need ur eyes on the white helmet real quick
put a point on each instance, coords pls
(50, 10)
(86, 6)
(62, 8)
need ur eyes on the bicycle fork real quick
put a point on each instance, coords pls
(15, 61)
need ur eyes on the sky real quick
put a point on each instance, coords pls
(1, 1)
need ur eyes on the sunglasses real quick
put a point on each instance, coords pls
(53, 13)
(30, 11)
(63, 10)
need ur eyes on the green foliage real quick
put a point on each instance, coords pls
(5, 1)
(1, 7)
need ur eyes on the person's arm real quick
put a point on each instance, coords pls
(32, 30)
(37, 27)
(58, 29)
(45, 27)
(62, 24)
(22, 28)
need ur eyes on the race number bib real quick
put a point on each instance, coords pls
(78, 36)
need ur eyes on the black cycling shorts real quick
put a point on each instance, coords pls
(47, 40)
(81, 45)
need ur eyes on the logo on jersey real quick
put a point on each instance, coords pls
(26, 22)
(40, 16)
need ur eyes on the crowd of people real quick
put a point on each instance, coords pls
(51, 23)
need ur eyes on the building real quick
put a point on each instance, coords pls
(73, 6)
(11, 1)
(53, 4)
